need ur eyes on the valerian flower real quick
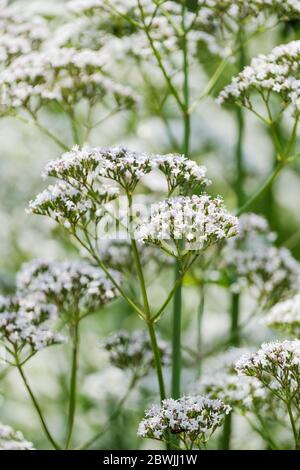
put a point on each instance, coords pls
(214, 23)
(276, 73)
(277, 366)
(197, 221)
(75, 287)
(13, 440)
(21, 32)
(125, 167)
(69, 206)
(23, 325)
(243, 393)
(285, 316)
(192, 418)
(252, 260)
(59, 75)
(132, 351)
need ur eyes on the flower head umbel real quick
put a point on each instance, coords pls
(21, 32)
(277, 366)
(276, 73)
(75, 287)
(252, 259)
(125, 167)
(244, 393)
(285, 316)
(23, 325)
(13, 440)
(192, 418)
(198, 221)
(69, 206)
(133, 351)
(89, 178)
(64, 76)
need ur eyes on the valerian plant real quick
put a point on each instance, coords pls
(102, 57)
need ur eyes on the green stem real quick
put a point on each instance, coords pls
(176, 336)
(73, 383)
(177, 305)
(36, 406)
(199, 326)
(266, 185)
(240, 171)
(233, 341)
(235, 313)
(240, 117)
(293, 424)
(44, 130)
(149, 319)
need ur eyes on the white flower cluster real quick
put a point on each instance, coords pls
(244, 393)
(253, 260)
(199, 221)
(21, 32)
(253, 225)
(23, 323)
(213, 23)
(133, 351)
(191, 418)
(69, 206)
(277, 72)
(13, 440)
(125, 167)
(285, 316)
(276, 365)
(62, 75)
(73, 286)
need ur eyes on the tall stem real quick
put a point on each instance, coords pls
(177, 305)
(233, 341)
(73, 383)
(199, 326)
(239, 157)
(36, 405)
(149, 320)
(293, 424)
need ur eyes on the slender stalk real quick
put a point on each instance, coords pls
(235, 313)
(177, 305)
(293, 424)
(199, 325)
(233, 341)
(36, 405)
(148, 315)
(266, 185)
(240, 171)
(44, 130)
(73, 382)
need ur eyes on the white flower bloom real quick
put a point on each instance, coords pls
(192, 418)
(64, 75)
(13, 440)
(198, 220)
(285, 316)
(21, 32)
(276, 72)
(133, 351)
(244, 393)
(68, 206)
(71, 285)
(23, 323)
(252, 260)
(276, 365)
